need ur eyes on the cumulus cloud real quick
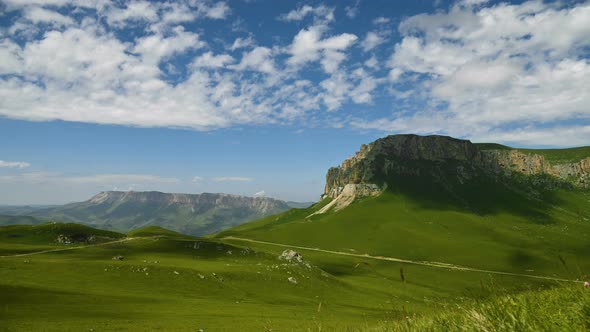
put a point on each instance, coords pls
(320, 13)
(209, 60)
(372, 40)
(242, 43)
(42, 15)
(14, 164)
(308, 46)
(258, 59)
(487, 68)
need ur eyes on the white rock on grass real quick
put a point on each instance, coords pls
(292, 280)
(291, 256)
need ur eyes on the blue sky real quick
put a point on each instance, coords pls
(261, 97)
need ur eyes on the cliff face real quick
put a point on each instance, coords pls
(442, 156)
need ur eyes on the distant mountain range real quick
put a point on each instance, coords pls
(195, 214)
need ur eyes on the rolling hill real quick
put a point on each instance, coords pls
(445, 200)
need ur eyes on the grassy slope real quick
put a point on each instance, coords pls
(515, 234)
(561, 309)
(18, 239)
(179, 284)
(84, 289)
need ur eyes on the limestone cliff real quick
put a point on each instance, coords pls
(443, 157)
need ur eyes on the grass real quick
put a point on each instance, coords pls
(518, 234)
(186, 284)
(168, 281)
(563, 309)
(19, 239)
(153, 231)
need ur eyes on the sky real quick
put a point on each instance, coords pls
(260, 98)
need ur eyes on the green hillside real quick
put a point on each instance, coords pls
(515, 233)
(19, 239)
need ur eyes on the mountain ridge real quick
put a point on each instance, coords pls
(194, 214)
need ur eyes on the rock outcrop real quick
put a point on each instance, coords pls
(369, 170)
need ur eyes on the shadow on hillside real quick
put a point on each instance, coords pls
(482, 195)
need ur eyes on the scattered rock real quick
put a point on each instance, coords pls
(118, 258)
(176, 272)
(292, 280)
(291, 256)
(64, 239)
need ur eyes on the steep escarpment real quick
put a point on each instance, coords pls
(447, 161)
(195, 214)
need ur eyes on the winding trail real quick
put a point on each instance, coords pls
(77, 247)
(406, 261)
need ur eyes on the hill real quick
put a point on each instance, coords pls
(445, 200)
(196, 214)
(19, 239)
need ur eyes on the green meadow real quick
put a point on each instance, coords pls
(172, 282)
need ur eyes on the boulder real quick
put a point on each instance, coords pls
(291, 256)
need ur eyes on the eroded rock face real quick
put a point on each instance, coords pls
(440, 156)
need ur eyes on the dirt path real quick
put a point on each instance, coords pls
(406, 261)
(76, 247)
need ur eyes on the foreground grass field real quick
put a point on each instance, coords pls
(171, 282)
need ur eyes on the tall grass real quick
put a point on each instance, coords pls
(565, 308)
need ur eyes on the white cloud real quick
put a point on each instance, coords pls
(259, 59)
(232, 179)
(242, 43)
(219, 10)
(488, 68)
(155, 47)
(320, 13)
(372, 40)
(381, 20)
(372, 62)
(196, 179)
(308, 46)
(352, 10)
(14, 164)
(209, 60)
(42, 15)
(134, 11)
